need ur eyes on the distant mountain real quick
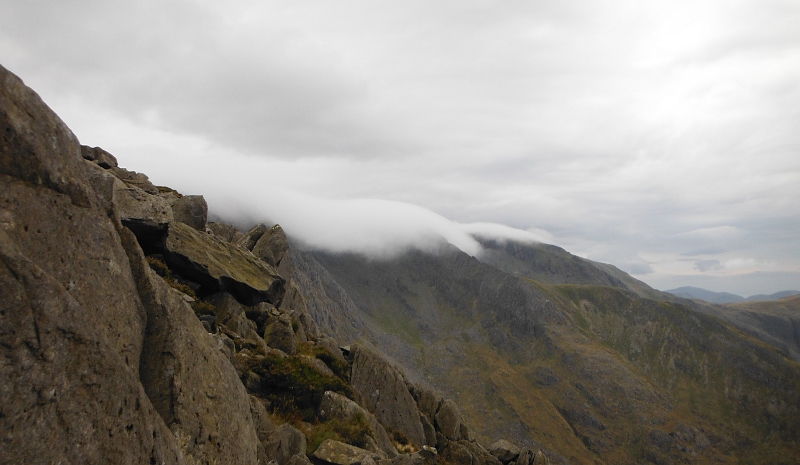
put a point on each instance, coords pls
(688, 292)
(775, 296)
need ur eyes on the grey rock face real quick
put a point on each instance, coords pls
(37, 147)
(464, 451)
(290, 443)
(427, 400)
(226, 232)
(504, 451)
(251, 237)
(335, 405)
(67, 395)
(147, 215)
(99, 156)
(449, 420)
(204, 403)
(529, 457)
(134, 179)
(339, 453)
(191, 210)
(279, 334)
(217, 265)
(273, 248)
(385, 394)
(71, 322)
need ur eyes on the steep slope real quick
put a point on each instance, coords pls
(595, 373)
(553, 265)
(133, 331)
(776, 322)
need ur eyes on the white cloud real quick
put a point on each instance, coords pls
(624, 130)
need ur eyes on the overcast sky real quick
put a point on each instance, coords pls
(659, 136)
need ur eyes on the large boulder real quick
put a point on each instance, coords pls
(99, 156)
(134, 179)
(218, 265)
(335, 405)
(383, 388)
(428, 400)
(273, 248)
(339, 453)
(504, 451)
(71, 322)
(529, 457)
(147, 215)
(224, 231)
(251, 237)
(192, 385)
(465, 452)
(279, 334)
(191, 210)
(290, 442)
(450, 422)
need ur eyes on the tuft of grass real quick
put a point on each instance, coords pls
(293, 388)
(339, 367)
(165, 189)
(159, 267)
(354, 431)
(200, 307)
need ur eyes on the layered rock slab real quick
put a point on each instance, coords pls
(192, 385)
(385, 394)
(220, 266)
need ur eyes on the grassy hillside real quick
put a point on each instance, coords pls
(593, 373)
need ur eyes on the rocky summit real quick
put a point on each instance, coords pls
(135, 331)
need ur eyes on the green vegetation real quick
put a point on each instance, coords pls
(339, 367)
(354, 431)
(294, 388)
(200, 307)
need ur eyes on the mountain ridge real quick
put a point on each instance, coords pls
(525, 336)
(690, 292)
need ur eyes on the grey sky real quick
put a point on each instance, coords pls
(661, 137)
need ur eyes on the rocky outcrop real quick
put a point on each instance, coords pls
(504, 451)
(147, 215)
(279, 334)
(204, 404)
(450, 423)
(529, 457)
(99, 156)
(71, 322)
(384, 390)
(335, 405)
(134, 179)
(217, 266)
(113, 355)
(191, 210)
(339, 453)
(226, 232)
(273, 248)
(250, 238)
(290, 442)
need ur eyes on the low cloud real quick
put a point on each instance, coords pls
(373, 227)
(630, 133)
(708, 265)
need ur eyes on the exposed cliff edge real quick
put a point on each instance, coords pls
(134, 331)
